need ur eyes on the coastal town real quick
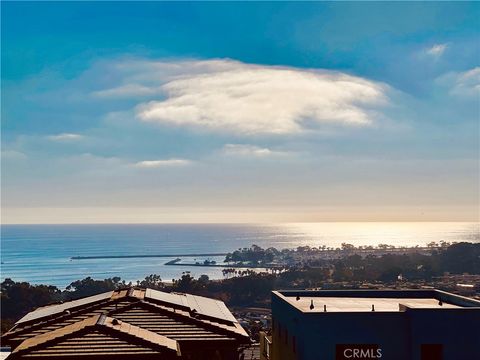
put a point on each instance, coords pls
(250, 274)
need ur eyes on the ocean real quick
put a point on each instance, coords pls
(41, 254)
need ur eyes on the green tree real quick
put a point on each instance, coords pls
(89, 286)
(152, 281)
(19, 298)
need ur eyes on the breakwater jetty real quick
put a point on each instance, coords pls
(144, 256)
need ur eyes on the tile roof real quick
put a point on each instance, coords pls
(46, 311)
(138, 320)
(94, 335)
(140, 333)
(55, 334)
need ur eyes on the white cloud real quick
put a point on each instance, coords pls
(230, 96)
(65, 137)
(249, 151)
(125, 91)
(162, 163)
(467, 83)
(437, 50)
(462, 84)
(13, 155)
(233, 97)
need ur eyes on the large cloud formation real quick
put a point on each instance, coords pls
(234, 97)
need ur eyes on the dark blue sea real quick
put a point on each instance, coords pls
(42, 253)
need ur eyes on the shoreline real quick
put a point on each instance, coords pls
(242, 266)
(325, 252)
(143, 256)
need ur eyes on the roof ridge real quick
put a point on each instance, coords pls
(56, 334)
(151, 337)
(102, 321)
(41, 321)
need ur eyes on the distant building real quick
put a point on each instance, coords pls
(372, 324)
(129, 324)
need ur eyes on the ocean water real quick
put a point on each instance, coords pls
(42, 253)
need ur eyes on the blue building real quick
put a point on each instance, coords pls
(373, 324)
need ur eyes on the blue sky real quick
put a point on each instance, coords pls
(226, 112)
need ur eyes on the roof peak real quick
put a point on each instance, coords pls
(196, 305)
(99, 322)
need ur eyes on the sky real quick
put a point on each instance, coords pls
(239, 112)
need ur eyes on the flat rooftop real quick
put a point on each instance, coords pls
(381, 300)
(351, 304)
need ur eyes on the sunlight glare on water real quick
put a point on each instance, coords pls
(42, 253)
(374, 233)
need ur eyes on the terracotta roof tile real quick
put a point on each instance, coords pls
(149, 321)
(52, 335)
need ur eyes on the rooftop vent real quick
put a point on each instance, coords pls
(115, 322)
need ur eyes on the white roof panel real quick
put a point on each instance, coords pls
(202, 305)
(210, 307)
(171, 298)
(59, 308)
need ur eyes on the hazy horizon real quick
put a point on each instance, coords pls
(240, 112)
(197, 219)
